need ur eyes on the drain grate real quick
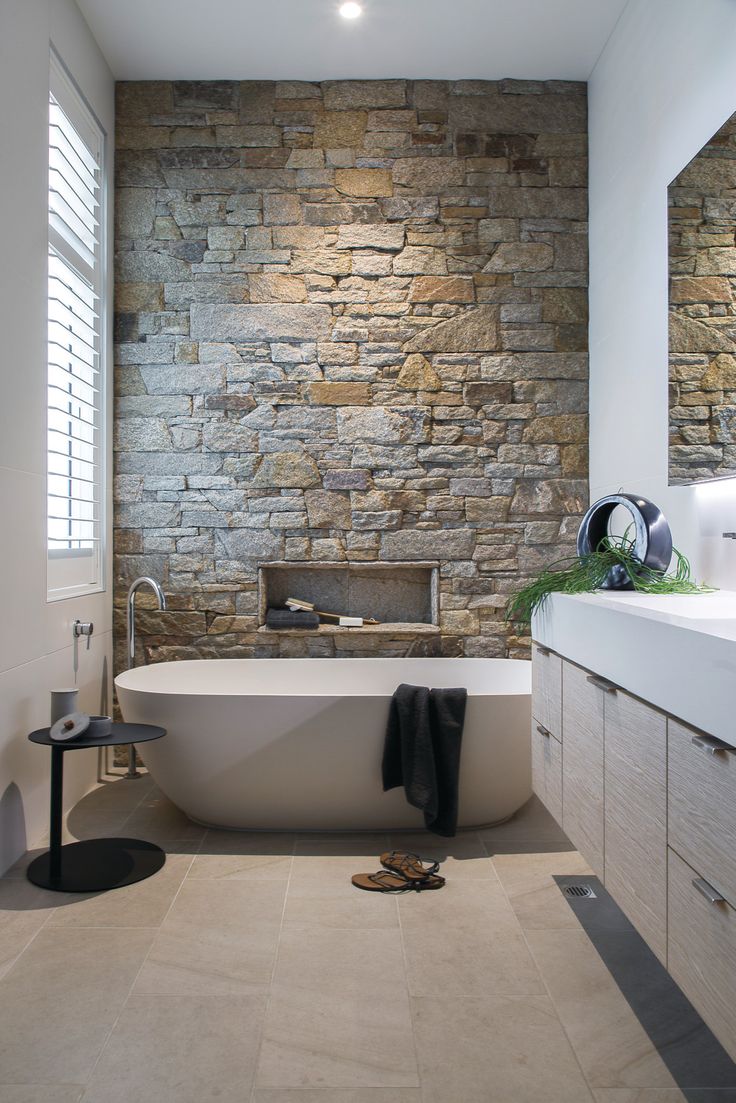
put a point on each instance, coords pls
(580, 890)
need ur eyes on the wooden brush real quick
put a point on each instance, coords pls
(345, 622)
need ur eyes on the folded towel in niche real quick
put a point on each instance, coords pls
(288, 618)
(422, 751)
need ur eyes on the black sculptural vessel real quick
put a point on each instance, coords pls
(652, 543)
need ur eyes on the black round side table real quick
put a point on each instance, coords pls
(93, 865)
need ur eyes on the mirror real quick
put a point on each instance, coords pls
(702, 313)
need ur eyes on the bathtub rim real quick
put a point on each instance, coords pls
(141, 679)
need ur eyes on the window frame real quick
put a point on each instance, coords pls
(75, 572)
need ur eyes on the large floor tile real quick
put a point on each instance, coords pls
(159, 821)
(454, 961)
(359, 844)
(113, 797)
(495, 1050)
(463, 857)
(528, 878)
(333, 1039)
(477, 906)
(40, 1093)
(18, 870)
(612, 1046)
(180, 1051)
(315, 902)
(241, 855)
(337, 1095)
(533, 821)
(219, 938)
(144, 904)
(338, 870)
(357, 963)
(24, 909)
(654, 1095)
(105, 809)
(61, 998)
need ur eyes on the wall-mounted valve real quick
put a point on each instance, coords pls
(83, 628)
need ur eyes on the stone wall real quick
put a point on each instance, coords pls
(351, 326)
(702, 262)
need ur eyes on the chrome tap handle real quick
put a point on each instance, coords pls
(83, 628)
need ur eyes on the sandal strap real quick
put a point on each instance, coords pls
(402, 860)
(379, 879)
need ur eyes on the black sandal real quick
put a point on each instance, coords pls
(386, 881)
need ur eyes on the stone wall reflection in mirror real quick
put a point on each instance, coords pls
(702, 333)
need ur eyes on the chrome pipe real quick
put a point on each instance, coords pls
(144, 580)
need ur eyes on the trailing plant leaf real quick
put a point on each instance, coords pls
(586, 574)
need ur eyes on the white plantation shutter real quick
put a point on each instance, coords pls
(74, 409)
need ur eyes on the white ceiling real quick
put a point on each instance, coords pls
(308, 40)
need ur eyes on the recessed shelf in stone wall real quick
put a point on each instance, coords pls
(400, 630)
(401, 596)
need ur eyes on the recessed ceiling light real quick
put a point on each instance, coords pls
(350, 10)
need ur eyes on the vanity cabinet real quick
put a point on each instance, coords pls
(651, 805)
(582, 763)
(702, 948)
(702, 875)
(547, 729)
(636, 814)
(702, 809)
(547, 769)
(547, 690)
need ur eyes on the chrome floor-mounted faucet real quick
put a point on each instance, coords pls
(144, 580)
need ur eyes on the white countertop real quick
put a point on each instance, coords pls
(677, 651)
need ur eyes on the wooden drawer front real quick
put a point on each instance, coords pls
(547, 770)
(547, 689)
(702, 951)
(636, 815)
(702, 806)
(582, 764)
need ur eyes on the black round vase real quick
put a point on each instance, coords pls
(652, 540)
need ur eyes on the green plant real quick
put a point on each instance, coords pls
(585, 574)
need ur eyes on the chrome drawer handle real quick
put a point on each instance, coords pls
(712, 895)
(601, 683)
(711, 745)
(543, 731)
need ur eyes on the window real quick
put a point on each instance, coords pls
(75, 404)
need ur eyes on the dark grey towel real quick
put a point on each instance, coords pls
(422, 751)
(291, 618)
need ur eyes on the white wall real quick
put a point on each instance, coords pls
(36, 649)
(665, 82)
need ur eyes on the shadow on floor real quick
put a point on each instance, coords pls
(694, 1056)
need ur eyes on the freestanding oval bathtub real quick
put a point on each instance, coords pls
(296, 744)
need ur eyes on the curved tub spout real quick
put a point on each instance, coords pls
(144, 580)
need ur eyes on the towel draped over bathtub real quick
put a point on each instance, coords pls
(422, 751)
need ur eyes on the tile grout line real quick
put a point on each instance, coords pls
(553, 1003)
(267, 1005)
(146, 956)
(137, 806)
(408, 991)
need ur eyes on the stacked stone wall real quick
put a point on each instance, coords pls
(702, 333)
(350, 326)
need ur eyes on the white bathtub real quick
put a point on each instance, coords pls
(285, 744)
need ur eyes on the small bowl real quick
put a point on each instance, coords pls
(99, 726)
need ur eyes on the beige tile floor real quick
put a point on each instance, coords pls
(250, 971)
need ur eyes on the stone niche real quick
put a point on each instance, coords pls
(350, 330)
(401, 596)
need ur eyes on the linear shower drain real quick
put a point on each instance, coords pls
(580, 890)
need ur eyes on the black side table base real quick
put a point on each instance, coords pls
(96, 865)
